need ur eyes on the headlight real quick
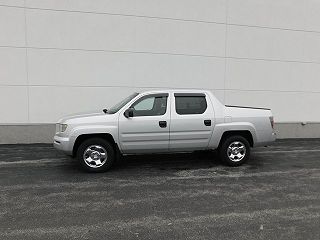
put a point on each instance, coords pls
(61, 127)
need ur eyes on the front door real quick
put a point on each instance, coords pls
(192, 121)
(148, 129)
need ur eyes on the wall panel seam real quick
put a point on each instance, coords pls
(104, 86)
(225, 51)
(162, 53)
(163, 18)
(26, 62)
(115, 14)
(156, 87)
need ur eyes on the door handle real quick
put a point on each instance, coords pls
(207, 122)
(163, 124)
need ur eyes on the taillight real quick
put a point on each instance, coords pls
(272, 122)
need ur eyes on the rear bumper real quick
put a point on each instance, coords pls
(271, 139)
(62, 144)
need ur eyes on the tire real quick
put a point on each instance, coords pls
(236, 156)
(96, 155)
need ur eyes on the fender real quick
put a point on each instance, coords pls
(221, 128)
(93, 129)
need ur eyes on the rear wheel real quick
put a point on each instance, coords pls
(234, 151)
(96, 155)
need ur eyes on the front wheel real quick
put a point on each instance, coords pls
(234, 151)
(96, 155)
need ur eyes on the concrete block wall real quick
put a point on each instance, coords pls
(64, 57)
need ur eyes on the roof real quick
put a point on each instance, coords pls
(176, 91)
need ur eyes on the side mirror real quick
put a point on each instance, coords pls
(128, 113)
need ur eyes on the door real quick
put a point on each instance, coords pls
(148, 129)
(192, 121)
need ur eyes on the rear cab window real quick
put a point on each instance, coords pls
(190, 103)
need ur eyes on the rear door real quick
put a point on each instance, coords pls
(192, 121)
(148, 129)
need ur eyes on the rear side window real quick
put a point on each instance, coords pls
(190, 104)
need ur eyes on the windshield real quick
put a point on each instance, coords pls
(119, 105)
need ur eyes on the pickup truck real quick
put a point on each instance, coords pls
(164, 122)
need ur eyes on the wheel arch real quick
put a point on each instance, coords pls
(244, 133)
(81, 138)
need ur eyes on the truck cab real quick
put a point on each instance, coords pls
(164, 122)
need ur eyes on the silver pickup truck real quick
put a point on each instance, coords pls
(164, 122)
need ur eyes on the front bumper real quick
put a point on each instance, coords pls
(62, 144)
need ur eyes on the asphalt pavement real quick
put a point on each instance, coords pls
(276, 195)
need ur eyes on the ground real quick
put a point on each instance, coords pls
(276, 195)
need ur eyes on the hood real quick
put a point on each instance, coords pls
(81, 116)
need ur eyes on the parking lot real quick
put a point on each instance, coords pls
(276, 195)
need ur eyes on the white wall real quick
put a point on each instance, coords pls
(59, 57)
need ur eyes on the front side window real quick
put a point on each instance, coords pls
(151, 105)
(190, 104)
